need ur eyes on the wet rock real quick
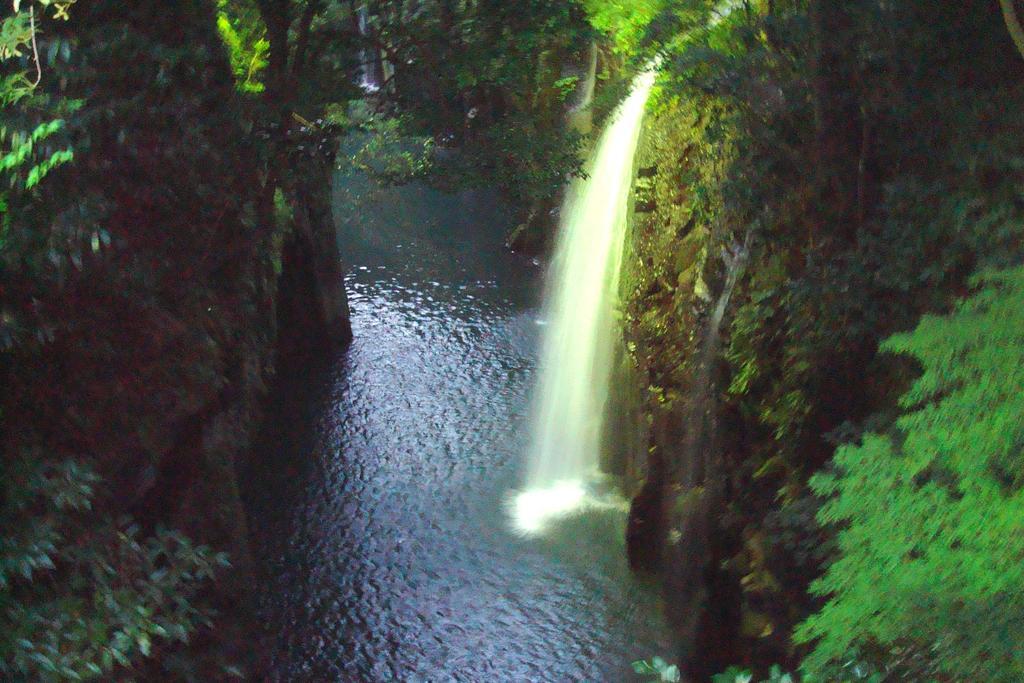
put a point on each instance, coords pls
(647, 171)
(313, 311)
(528, 239)
(645, 529)
(534, 236)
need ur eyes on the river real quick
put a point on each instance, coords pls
(378, 497)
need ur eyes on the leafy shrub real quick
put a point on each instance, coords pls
(657, 668)
(83, 594)
(929, 512)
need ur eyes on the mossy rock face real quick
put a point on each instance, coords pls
(756, 625)
(688, 252)
(664, 288)
(644, 196)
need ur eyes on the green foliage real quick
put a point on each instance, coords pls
(487, 78)
(22, 147)
(533, 159)
(626, 22)
(91, 261)
(15, 35)
(81, 594)
(244, 35)
(389, 154)
(738, 675)
(733, 674)
(930, 512)
(33, 142)
(849, 672)
(19, 28)
(657, 669)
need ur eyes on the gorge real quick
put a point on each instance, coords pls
(383, 522)
(402, 340)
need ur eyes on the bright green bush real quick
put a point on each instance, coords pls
(930, 512)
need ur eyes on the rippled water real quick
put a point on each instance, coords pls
(378, 497)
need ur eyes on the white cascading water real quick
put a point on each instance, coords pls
(580, 115)
(374, 71)
(576, 354)
(367, 77)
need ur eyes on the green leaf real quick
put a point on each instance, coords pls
(641, 666)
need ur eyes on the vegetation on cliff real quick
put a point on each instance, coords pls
(927, 562)
(872, 154)
(127, 261)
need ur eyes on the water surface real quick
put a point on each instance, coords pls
(378, 497)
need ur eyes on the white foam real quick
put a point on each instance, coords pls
(535, 510)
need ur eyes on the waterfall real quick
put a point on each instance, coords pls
(576, 353)
(365, 67)
(580, 114)
(368, 58)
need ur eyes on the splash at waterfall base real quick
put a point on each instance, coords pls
(577, 348)
(534, 510)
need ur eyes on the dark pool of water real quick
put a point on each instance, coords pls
(377, 494)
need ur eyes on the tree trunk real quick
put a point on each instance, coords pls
(302, 46)
(837, 114)
(276, 16)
